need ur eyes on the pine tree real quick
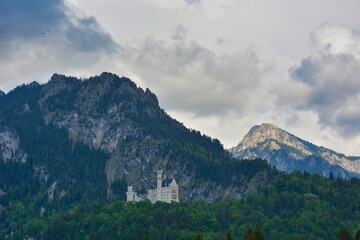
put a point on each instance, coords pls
(228, 236)
(357, 237)
(258, 234)
(198, 237)
(344, 235)
(248, 235)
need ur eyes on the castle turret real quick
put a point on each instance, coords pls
(159, 178)
(130, 194)
(159, 184)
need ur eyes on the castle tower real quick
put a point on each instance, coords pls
(159, 178)
(130, 194)
(159, 183)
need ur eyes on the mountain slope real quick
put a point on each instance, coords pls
(289, 153)
(86, 140)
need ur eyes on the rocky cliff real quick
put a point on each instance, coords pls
(289, 153)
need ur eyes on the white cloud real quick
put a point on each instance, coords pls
(188, 77)
(331, 78)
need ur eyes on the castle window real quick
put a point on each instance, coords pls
(173, 194)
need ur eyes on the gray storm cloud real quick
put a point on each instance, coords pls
(23, 20)
(43, 36)
(188, 77)
(331, 76)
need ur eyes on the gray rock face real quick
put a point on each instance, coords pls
(289, 153)
(9, 146)
(104, 129)
(100, 113)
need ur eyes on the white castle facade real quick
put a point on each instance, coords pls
(162, 190)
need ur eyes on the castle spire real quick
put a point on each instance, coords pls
(130, 194)
(159, 178)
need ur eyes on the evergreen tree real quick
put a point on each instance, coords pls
(344, 235)
(258, 234)
(198, 237)
(248, 235)
(228, 236)
(357, 237)
(331, 176)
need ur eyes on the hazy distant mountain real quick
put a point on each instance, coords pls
(289, 153)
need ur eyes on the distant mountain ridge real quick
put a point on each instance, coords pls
(290, 153)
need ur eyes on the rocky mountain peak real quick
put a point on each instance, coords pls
(289, 153)
(270, 136)
(34, 84)
(265, 130)
(58, 79)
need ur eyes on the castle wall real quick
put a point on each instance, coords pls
(166, 194)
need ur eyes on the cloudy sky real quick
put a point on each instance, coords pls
(217, 66)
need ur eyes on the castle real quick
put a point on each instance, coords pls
(162, 190)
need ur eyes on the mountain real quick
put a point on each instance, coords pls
(71, 145)
(73, 140)
(289, 153)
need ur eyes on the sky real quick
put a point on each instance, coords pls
(217, 66)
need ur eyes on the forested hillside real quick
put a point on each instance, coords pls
(74, 141)
(293, 206)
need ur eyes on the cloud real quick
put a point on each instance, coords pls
(26, 20)
(180, 32)
(22, 20)
(189, 77)
(331, 78)
(192, 1)
(306, 72)
(43, 36)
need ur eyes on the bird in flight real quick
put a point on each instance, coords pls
(44, 33)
